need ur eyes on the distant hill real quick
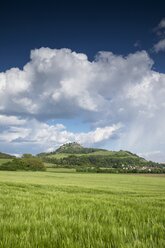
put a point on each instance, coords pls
(5, 156)
(70, 149)
(75, 148)
(75, 155)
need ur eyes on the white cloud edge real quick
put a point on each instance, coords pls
(160, 31)
(160, 46)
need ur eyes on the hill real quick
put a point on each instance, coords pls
(75, 148)
(74, 155)
(5, 156)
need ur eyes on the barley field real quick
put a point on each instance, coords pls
(72, 210)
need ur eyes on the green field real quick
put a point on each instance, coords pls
(51, 209)
(4, 160)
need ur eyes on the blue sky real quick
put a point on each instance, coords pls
(87, 71)
(83, 26)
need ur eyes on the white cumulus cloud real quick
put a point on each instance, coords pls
(160, 46)
(160, 31)
(48, 137)
(62, 84)
(161, 24)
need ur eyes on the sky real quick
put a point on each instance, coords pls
(91, 72)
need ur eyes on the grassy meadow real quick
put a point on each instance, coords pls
(61, 209)
(4, 160)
